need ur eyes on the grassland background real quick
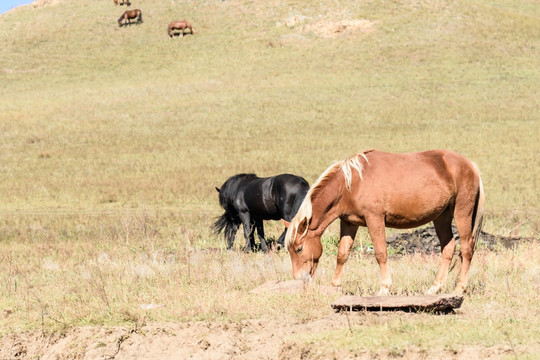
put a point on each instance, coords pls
(112, 140)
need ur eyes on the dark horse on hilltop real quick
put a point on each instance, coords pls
(179, 25)
(129, 15)
(248, 200)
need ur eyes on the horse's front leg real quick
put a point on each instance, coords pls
(260, 234)
(281, 240)
(377, 232)
(347, 235)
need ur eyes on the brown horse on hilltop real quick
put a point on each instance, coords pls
(179, 25)
(128, 16)
(377, 190)
(122, 2)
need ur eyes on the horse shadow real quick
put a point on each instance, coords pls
(179, 34)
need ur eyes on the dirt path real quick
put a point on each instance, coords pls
(250, 339)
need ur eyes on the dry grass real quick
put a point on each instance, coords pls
(119, 270)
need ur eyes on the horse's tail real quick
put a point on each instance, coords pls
(139, 19)
(226, 224)
(478, 214)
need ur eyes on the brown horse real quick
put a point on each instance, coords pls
(129, 15)
(179, 25)
(122, 2)
(378, 190)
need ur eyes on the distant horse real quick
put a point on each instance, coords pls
(378, 190)
(129, 15)
(122, 2)
(179, 25)
(248, 200)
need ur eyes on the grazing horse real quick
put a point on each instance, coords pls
(129, 15)
(248, 200)
(122, 2)
(377, 190)
(179, 25)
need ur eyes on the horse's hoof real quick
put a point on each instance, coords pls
(433, 290)
(458, 292)
(383, 292)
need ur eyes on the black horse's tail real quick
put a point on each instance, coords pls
(226, 224)
(140, 17)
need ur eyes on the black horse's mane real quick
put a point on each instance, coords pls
(229, 189)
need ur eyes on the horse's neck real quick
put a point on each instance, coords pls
(325, 204)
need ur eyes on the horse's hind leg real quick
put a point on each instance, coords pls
(260, 234)
(249, 230)
(232, 234)
(464, 219)
(443, 228)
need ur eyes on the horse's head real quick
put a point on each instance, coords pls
(305, 248)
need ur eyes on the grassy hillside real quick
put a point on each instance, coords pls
(95, 116)
(112, 140)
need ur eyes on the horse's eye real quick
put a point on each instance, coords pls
(299, 250)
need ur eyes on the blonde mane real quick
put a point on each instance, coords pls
(305, 212)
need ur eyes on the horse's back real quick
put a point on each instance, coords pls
(412, 189)
(133, 13)
(289, 181)
(440, 165)
(273, 198)
(255, 196)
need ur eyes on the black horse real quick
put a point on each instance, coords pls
(248, 200)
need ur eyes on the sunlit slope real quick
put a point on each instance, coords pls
(94, 116)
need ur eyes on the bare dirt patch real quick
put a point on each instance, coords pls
(39, 3)
(249, 339)
(331, 29)
(328, 28)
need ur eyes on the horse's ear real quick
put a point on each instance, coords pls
(286, 223)
(302, 226)
(217, 189)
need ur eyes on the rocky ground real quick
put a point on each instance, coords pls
(425, 241)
